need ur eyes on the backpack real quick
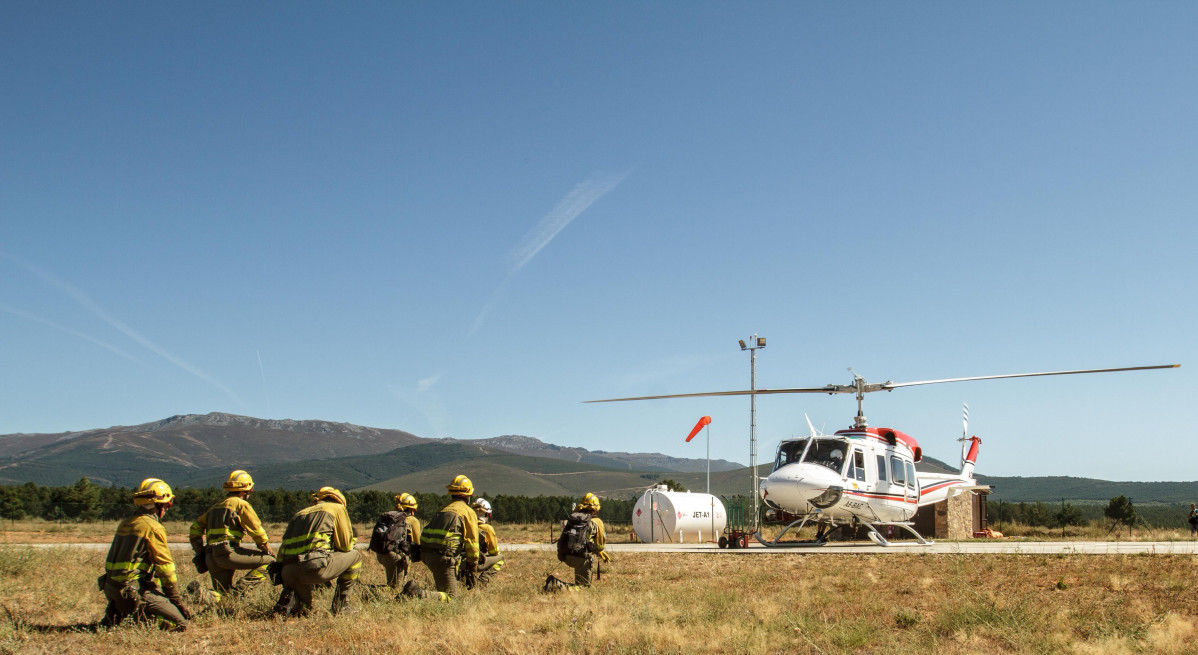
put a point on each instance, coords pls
(577, 537)
(390, 534)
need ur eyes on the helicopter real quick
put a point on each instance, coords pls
(861, 476)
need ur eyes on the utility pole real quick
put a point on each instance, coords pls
(754, 344)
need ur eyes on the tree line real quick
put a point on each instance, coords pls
(86, 502)
(1120, 510)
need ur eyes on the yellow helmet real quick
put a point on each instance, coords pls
(589, 503)
(405, 502)
(329, 494)
(153, 491)
(461, 486)
(239, 481)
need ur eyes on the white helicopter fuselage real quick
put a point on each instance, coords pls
(862, 474)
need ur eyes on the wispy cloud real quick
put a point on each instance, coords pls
(425, 402)
(8, 309)
(85, 301)
(577, 201)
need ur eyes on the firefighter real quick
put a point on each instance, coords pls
(449, 544)
(581, 541)
(222, 527)
(317, 547)
(490, 560)
(139, 560)
(397, 563)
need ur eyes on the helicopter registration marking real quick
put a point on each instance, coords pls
(853, 504)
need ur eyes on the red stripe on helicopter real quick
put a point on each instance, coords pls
(881, 496)
(884, 435)
(938, 486)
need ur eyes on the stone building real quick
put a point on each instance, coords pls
(958, 517)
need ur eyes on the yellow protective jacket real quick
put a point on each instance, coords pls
(229, 520)
(323, 526)
(139, 549)
(453, 531)
(413, 529)
(598, 534)
(489, 542)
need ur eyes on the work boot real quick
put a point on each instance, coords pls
(553, 585)
(341, 604)
(285, 605)
(412, 590)
(112, 618)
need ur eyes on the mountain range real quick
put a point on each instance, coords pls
(199, 451)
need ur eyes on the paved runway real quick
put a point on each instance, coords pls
(974, 547)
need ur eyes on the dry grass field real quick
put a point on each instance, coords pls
(666, 603)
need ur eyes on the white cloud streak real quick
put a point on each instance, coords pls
(89, 304)
(8, 309)
(577, 201)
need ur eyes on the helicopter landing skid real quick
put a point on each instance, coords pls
(798, 525)
(876, 536)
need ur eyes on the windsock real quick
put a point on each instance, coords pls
(706, 420)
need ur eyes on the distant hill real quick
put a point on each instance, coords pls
(1057, 488)
(181, 446)
(521, 445)
(200, 450)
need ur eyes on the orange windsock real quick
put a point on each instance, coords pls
(706, 420)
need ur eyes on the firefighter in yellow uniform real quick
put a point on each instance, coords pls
(223, 526)
(490, 560)
(317, 547)
(396, 564)
(449, 544)
(139, 560)
(580, 555)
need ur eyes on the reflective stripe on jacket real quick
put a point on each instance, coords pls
(453, 531)
(323, 526)
(139, 549)
(228, 520)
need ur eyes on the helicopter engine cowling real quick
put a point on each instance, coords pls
(803, 487)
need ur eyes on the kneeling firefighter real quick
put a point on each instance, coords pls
(581, 541)
(222, 527)
(139, 560)
(318, 546)
(449, 543)
(490, 560)
(395, 539)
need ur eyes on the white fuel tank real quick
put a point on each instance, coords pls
(662, 516)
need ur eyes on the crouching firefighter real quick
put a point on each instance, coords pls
(139, 560)
(490, 560)
(449, 544)
(223, 526)
(581, 541)
(395, 539)
(317, 547)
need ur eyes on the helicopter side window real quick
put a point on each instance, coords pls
(911, 479)
(896, 467)
(857, 468)
(882, 468)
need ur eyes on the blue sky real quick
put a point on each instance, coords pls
(463, 219)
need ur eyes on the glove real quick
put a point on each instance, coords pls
(171, 591)
(604, 556)
(265, 547)
(200, 562)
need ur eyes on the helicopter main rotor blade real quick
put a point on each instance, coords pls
(887, 386)
(875, 386)
(746, 392)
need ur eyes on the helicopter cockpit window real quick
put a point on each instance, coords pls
(896, 467)
(789, 452)
(829, 453)
(857, 468)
